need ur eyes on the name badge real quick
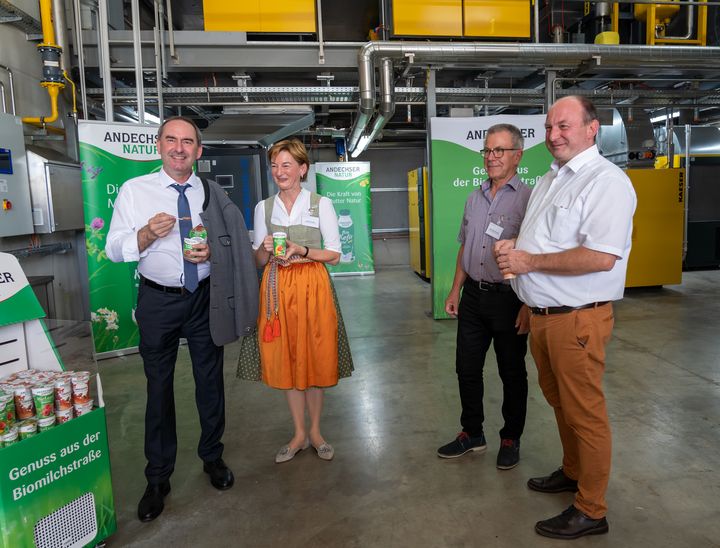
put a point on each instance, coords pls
(494, 231)
(310, 221)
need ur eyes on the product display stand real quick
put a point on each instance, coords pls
(55, 487)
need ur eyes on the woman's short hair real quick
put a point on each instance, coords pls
(293, 147)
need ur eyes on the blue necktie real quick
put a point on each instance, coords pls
(190, 279)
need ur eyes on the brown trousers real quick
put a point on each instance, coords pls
(569, 351)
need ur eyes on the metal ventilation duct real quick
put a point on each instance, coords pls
(704, 141)
(611, 139)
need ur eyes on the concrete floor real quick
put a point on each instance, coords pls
(387, 488)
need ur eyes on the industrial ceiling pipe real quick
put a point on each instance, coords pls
(53, 79)
(387, 105)
(557, 55)
(12, 87)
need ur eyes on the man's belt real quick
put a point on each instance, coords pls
(489, 286)
(171, 289)
(564, 309)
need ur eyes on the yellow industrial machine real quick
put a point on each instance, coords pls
(496, 18)
(702, 164)
(471, 18)
(657, 239)
(657, 18)
(260, 16)
(427, 17)
(419, 222)
(610, 36)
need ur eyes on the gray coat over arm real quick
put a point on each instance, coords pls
(234, 285)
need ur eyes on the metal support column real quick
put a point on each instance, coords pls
(550, 76)
(80, 55)
(671, 159)
(137, 51)
(430, 112)
(321, 45)
(171, 32)
(159, 66)
(104, 50)
(161, 28)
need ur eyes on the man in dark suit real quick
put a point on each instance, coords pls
(178, 298)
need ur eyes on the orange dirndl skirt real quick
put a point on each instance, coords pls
(299, 342)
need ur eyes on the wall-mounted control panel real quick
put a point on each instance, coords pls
(56, 191)
(15, 210)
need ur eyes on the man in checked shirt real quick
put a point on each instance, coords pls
(488, 309)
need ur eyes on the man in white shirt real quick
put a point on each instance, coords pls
(153, 214)
(570, 260)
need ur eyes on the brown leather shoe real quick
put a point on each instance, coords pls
(571, 524)
(557, 482)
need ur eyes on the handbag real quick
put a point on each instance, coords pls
(248, 367)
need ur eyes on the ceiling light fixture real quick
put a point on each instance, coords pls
(663, 117)
(151, 118)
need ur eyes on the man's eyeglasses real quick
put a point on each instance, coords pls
(497, 152)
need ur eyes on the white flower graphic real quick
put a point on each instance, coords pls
(110, 317)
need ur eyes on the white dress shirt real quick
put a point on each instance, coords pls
(587, 202)
(140, 199)
(298, 216)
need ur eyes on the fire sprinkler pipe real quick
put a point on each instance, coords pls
(53, 79)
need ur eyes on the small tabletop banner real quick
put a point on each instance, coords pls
(347, 184)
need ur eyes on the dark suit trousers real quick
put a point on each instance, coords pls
(163, 318)
(485, 317)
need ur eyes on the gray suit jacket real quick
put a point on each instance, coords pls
(234, 286)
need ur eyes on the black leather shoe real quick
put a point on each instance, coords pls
(571, 524)
(557, 482)
(151, 504)
(221, 476)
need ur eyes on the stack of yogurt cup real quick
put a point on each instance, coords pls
(33, 401)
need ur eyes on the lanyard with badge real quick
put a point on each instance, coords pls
(311, 218)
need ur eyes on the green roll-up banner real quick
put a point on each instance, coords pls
(110, 154)
(347, 184)
(457, 169)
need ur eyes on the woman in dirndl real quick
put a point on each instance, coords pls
(302, 341)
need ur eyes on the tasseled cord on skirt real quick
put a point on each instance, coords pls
(272, 329)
